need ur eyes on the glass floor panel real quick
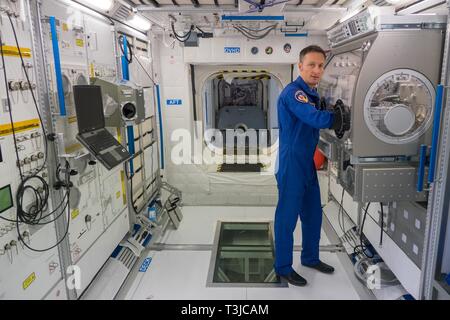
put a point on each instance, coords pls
(243, 255)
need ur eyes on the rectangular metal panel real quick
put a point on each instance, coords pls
(390, 184)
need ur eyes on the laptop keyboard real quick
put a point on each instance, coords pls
(101, 141)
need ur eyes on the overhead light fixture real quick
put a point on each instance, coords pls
(103, 5)
(139, 22)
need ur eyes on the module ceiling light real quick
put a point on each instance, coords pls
(139, 22)
(103, 5)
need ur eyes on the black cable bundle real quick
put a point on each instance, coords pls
(253, 34)
(34, 214)
(184, 37)
(361, 248)
(32, 95)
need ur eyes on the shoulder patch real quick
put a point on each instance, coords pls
(300, 96)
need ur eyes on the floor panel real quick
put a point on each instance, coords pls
(182, 274)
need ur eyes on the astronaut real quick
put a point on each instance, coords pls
(301, 114)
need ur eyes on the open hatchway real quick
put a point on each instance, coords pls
(238, 108)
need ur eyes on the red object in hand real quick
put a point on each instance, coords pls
(319, 159)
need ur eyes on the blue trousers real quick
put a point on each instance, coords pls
(302, 201)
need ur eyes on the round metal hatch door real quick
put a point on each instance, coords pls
(398, 106)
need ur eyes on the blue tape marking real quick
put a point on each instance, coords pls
(158, 99)
(147, 240)
(436, 129)
(130, 134)
(125, 69)
(116, 251)
(145, 264)
(296, 34)
(252, 18)
(57, 61)
(136, 228)
(423, 156)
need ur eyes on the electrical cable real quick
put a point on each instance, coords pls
(341, 213)
(382, 223)
(34, 215)
(32, 95)
(248, 35)
(203, 32)
(122, 49)
(67, 206)
(361, 248)
(10, 107)
(181, 38)
(258, 30)
(148, 75)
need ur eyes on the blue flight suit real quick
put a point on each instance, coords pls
(298, 188)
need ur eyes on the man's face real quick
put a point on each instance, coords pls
(311, 68)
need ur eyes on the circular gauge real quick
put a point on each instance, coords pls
(66, 85)
(287, 47)
(269, 50)
(398, 106)
(254, 50)
(81, 80)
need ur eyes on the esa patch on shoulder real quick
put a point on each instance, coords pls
(300, 96)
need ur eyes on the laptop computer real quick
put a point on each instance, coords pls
(91, 127)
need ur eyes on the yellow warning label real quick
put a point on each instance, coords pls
(91, 70)
(119, 136)
(28, 281)
(117, 194)
(65, 27)
(6, 129)
(14, 52)
(72, 148)
(249, 71)
(122, 177)
(79, 42)
(75, 213)
(72, 119)
(261, 77)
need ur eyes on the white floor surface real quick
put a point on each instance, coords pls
(182, 274)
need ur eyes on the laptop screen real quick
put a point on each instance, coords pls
(89, 107)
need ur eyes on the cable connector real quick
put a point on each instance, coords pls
(60, 184)
(205, 35)
(51, 137)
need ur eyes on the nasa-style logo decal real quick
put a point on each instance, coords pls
(300, 96)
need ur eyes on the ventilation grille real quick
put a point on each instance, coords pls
(120, 12)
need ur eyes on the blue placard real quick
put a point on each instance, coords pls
(232, 49)
(145, 264)
(252, 18)
(174, 102)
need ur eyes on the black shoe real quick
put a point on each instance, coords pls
(295, 279)
(322, 267)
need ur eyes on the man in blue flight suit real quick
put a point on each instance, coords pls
(300, 116)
